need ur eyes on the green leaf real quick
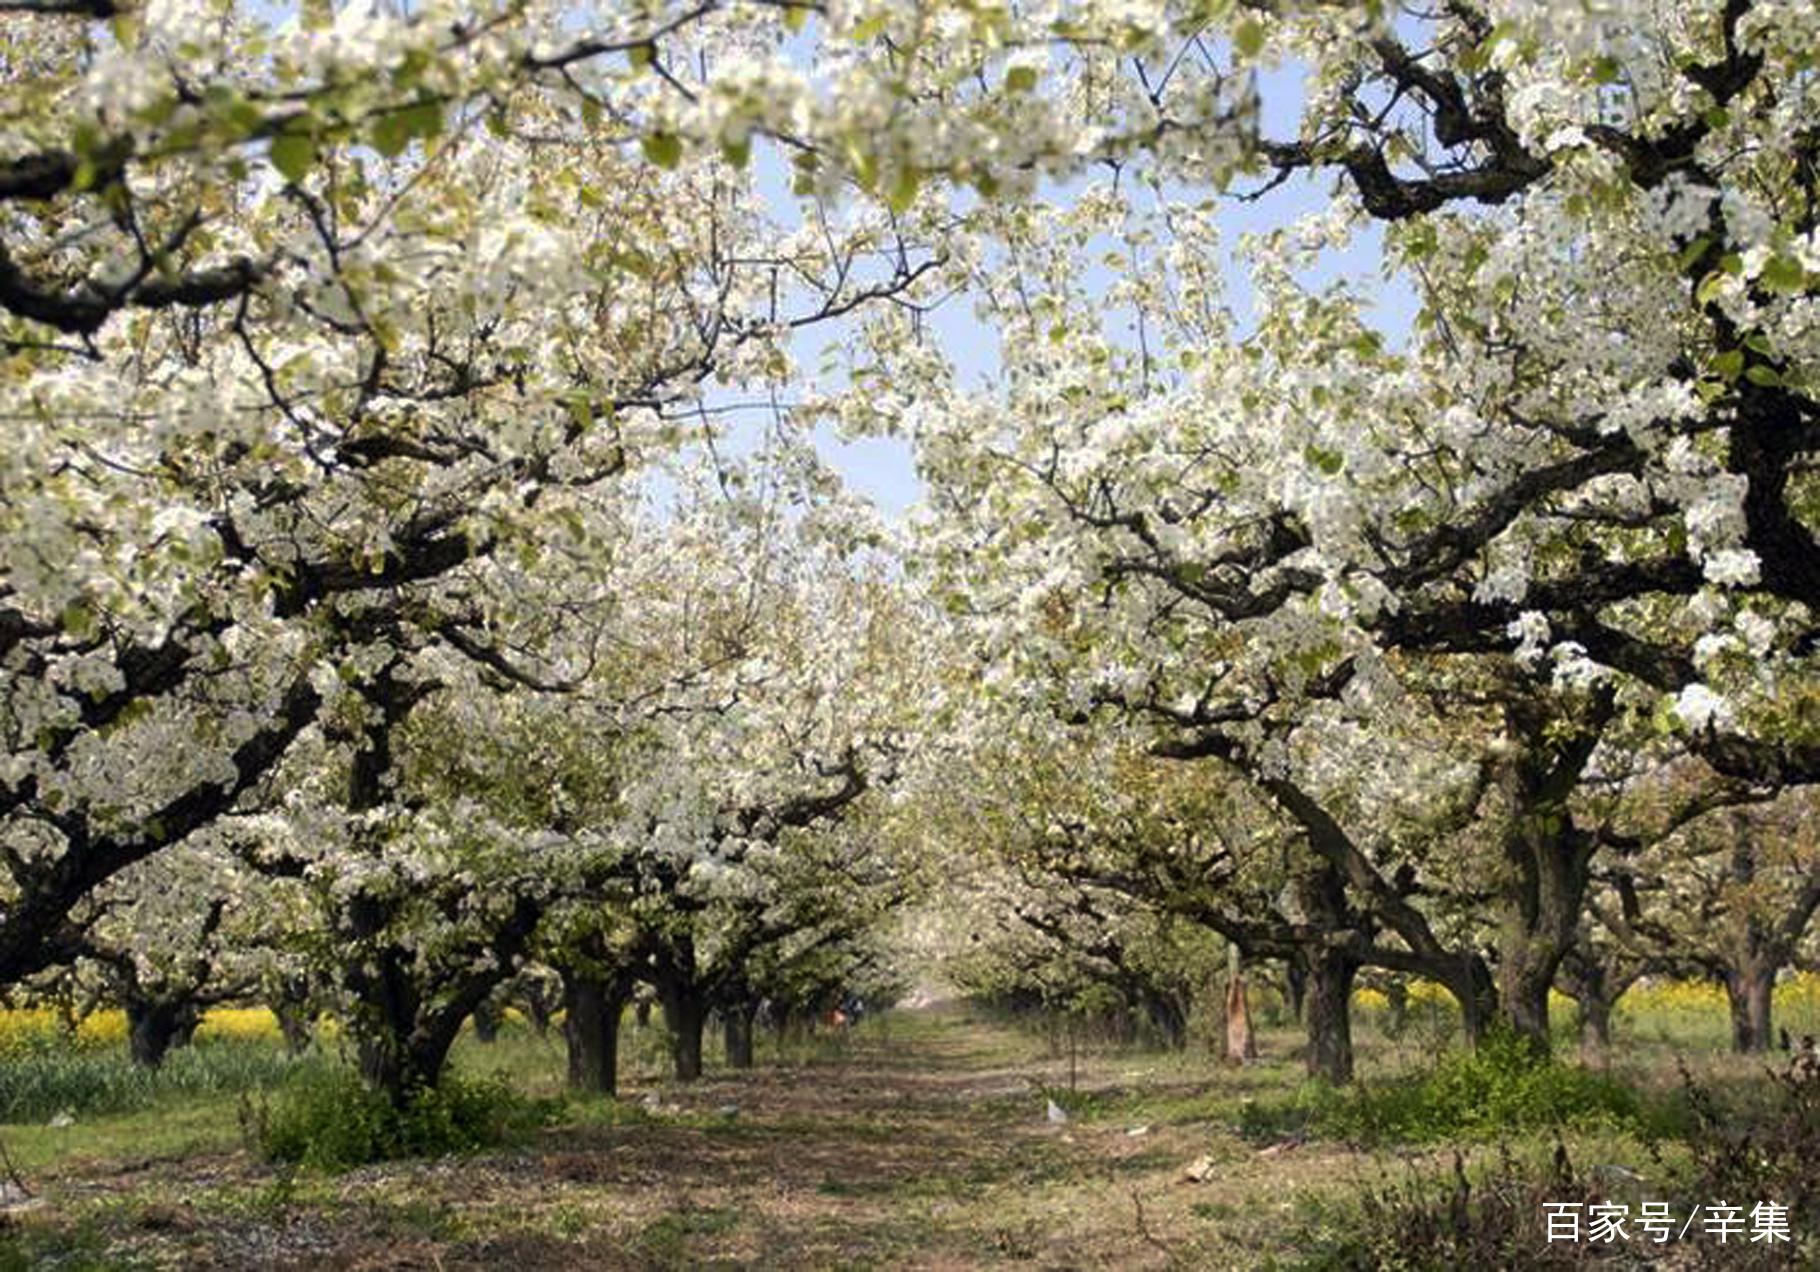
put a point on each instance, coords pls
(1691, 254)
(865, 167)
(1020, 79)
(795, 19)
(1605, 70)
(1422, 241)
(903, 189)
(293, 154)
(1784, 276)
(1329, 462)
(78, 620)
(390, 134)
(871, 28)
(1762, 376)
(1729, 363)
(1248, 37)
(738, 153)
(663, 149)
(423, 119)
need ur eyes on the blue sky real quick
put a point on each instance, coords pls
(883, 469)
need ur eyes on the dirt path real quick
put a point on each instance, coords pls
(926, 1145)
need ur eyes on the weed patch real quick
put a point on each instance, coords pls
(1500, 1089)
(327, 1119)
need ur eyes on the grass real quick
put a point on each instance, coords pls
(41, 1085)
(918, 1140)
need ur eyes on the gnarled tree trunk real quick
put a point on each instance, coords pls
(1327, 1014)
(1750, 992)
(592, 1007)
(155, 1025)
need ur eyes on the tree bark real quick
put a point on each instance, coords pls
(1327, 1013)
(1295, 985)
(295, 1025)
(154, 1026)
(1547, 857)
(400, 1067)
(486, 1020)
(1750, 992)
(592, 1009)
(736, 1026)
(404, 1035)
(1169, 1018)
(1594, 1012)
(290, 1003)
(1396, 1004)
(1589, 978)
(1542, 917)
(685, 1016)
(539, 1009)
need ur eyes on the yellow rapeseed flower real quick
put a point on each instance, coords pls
(239, 1024)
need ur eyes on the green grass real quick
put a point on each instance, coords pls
(39, 1085)
(668, 1239)
(919, 1136)
(175, 1126)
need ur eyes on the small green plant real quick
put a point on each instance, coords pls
(1500, 1088)
(328, 1119)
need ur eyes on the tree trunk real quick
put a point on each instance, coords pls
(1470, 982)
(1750, 991)
(1396, 1004)
(685, 1016)
(1169, 1018)
(736, 1025)
(1327, 1012)
(539, 1009)
(1594, 1012)
(486, 1019)
(401, 1066)
(1241, 1044)
(1547, 858)
(1295, 985)
(295, 1024)
(1585, 978)
(154, 1026)
(1525, 982)
(592, 1007)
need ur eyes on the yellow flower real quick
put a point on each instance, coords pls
(101, 1029)
(24, 1029)
(238, 1024)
